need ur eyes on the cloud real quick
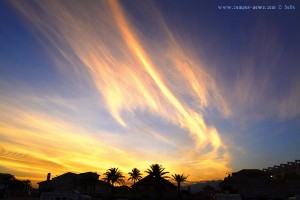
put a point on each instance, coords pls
(35, 141)
(288, 107)
(104, 48)
(262, 82)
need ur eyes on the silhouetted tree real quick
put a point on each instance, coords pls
(157, 172)
(112, 176)
(135, 175)
(179, 179)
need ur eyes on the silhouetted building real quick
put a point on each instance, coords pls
(293, 184)
(254, 183)
(12, 187)
(85, 183)
(282, 170)
(48, 176)
(151, 188)
(5, 180)
(247, 182)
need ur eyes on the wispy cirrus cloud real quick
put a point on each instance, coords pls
(265, 84)
(103, 47)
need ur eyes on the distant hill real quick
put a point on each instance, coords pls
(197, 187)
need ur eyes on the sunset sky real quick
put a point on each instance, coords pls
(89, 85)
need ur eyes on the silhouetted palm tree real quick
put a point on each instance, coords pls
(135, 175)
(158, 173)
(179, 179)
(112, 176)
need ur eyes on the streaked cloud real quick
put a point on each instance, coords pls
(134, 82)
(261, 85)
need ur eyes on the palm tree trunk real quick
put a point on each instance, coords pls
(112, 190)
(178, 191)
(157, 192)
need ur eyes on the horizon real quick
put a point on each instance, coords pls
(201, 90)
(128, 182)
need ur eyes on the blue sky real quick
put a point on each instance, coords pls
(88, 86)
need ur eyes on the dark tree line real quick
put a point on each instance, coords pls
(114, 176)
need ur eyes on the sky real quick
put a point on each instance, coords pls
(89, 85)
